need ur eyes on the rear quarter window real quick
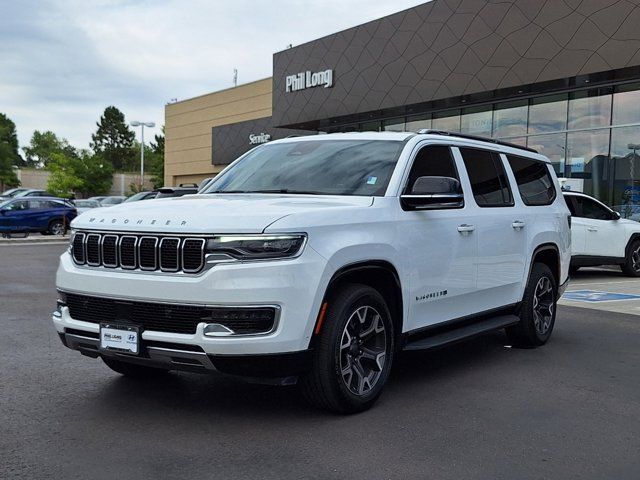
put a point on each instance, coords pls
(534, 180)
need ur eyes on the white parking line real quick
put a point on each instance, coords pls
(602, 283)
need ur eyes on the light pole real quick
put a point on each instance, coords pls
(136, 123)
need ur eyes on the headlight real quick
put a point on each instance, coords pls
(256, 247)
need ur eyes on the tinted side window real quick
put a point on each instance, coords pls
(432, 161)
(534, 181)
(488, 179)
(587, 208)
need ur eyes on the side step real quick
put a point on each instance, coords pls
(458, 334)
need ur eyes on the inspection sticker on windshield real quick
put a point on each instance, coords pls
(597, 296)
(372, 180)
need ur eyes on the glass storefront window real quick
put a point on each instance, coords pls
(418, 122)
(552, 146)
(626, 103)
(588, 159)
(448, 121)
(510, 119)
(548, 114)
(370, 126)
(625, 165)
(476, 121)
(588, 109)
(393, 125)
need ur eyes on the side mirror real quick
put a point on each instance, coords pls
(616, 216)
(431, 193)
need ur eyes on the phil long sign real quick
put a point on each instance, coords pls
(308, 79)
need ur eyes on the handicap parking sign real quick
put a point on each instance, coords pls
(597, 296)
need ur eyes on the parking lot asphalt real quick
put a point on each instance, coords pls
(477, 410)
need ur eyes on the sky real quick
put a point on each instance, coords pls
(63, 61)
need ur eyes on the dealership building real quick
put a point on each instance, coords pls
(559, 76)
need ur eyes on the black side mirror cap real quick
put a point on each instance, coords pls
(433, 193)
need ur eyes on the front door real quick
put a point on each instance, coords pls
(439, 248)
(603, 235)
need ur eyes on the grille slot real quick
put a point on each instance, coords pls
(169, 254)
(78, 248)
(192, 254)
(92, 249)
(110, 251)
(128, 252)
(138, 251)
(147, 253)
(163, 317)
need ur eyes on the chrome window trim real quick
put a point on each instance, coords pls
(135, 252)
(102, 250)
(155, 253)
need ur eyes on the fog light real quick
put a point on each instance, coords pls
(217, 330)
(59, 306)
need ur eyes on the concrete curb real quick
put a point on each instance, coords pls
(34, 240)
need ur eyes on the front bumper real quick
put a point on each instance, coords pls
(295, 286)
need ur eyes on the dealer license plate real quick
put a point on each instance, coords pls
(120, 338)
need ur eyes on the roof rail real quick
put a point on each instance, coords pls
(475, 137)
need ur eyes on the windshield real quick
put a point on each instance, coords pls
(327, 167)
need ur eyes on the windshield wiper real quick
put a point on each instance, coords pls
(287, 190)
(228, 191)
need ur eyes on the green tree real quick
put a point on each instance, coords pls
(42, 146)
(156, 165)
(9, 156)
(84, 173)
(114, 141)
(8, 177)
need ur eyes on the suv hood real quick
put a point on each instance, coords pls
(211, 213)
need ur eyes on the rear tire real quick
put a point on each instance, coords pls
(538, 309)
(353, 353)
(631, 266)
(132, 370)
(56, 227)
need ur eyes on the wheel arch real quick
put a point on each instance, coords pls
(378, 274)
(549, 255)
(633, 238)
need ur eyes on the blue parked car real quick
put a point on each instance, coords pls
(48, 215)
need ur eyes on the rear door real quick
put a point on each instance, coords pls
(500, 227)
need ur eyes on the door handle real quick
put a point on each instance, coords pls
(464, 228)
(518, 224)
(592, 229)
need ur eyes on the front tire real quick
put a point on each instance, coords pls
(353, 353)
(132, 370)
(538, 309)
(631, 266)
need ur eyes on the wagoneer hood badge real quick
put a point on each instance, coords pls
(207, 214)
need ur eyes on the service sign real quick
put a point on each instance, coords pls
(257, 139)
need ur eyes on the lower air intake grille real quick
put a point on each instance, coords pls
(162, 317)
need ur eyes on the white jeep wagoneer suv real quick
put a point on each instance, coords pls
(317, 259)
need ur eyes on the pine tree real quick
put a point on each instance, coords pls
(114, 141)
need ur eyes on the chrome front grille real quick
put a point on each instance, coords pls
(168, 254)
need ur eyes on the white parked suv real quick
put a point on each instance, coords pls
(600, 237)
(316, 259)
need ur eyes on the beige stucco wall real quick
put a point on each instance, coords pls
(188, 126)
